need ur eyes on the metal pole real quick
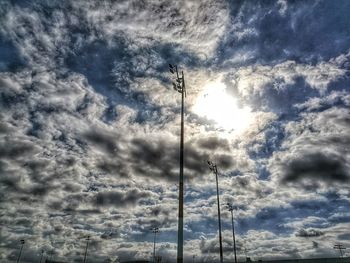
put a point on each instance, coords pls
(217, 193)
(181, 186)
(179, 86)
(213, 168)
(155, 230)
(154, 247)
(41, 257)
(20, 251)
(86, 248)
(233, 233)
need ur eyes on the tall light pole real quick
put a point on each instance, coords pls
(179, 86)
(86, 248)
(42, 254)
(231, 208)
(51, 254)
(155, 230)
(20, 251)
(214, 169)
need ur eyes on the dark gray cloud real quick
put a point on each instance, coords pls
(13, 149)
(120, 199)
(152, 157)
(213, 143)
(163, 158)
(108, 142)
(317, 166)
(318, 152)
(309, 233)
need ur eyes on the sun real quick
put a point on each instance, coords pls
(217, 105)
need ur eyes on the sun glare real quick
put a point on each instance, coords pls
(216, 104)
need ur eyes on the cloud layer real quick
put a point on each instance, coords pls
(89, 128)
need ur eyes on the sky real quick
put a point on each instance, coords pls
(90, 128)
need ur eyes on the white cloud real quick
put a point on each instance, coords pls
(253, 79)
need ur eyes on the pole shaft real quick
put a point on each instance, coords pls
(20, 252)
(41, 257)
(234, 238)
(86, 248)
(154, 247)
(217, 194)
(181, 184)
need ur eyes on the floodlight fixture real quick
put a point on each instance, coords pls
(171, 69)
(20, 251)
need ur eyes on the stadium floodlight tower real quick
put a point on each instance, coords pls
(86, 248)
(20, 251)
(231, 208)
(41, 256)
(155, 230)
(214, 169)
(179, 86)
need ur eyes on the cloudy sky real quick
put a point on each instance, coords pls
(89, 127)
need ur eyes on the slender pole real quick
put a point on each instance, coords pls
(155, 230)
(179, 86)
(217, 193)
(214, 169)
(20, 251)
(154, 247)
(41, 257)
(233, 234)
(86, 248)
(180, 237)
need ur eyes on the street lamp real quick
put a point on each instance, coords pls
(155, 230)
(20, 251)
(86, 248)
(214, 169)
(231, 208)
(179, 86)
